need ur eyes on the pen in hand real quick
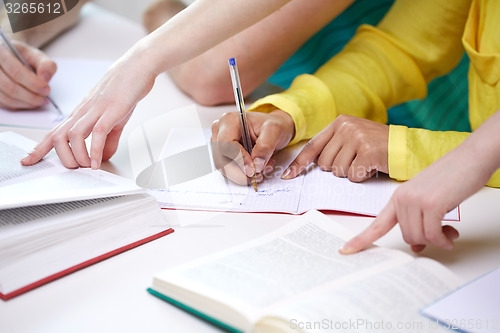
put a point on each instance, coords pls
(19, 57)
(240, 104)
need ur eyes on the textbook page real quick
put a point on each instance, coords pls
(49, 181)
(258, 276)
(71, 83)
(389, 300)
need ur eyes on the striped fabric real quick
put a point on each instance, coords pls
(444, 109)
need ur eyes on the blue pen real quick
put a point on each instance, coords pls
(240, 104)
(26, 64)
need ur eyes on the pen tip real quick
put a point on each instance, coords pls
(255, 185)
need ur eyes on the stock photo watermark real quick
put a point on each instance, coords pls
(27, 14)
(366, 325)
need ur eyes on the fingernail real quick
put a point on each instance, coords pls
(286, 174)
(46, 101)
(94, 165)
(249, 170)
(346, 249)
(267, 170)
(259, 164)
(45, 91)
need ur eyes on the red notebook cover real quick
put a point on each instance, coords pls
(84, 264)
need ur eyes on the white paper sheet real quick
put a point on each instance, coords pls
(71, 83)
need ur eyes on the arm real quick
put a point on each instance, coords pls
(380, 67)
(107, 108)
(420, 204)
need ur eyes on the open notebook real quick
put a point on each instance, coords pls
(176, 141)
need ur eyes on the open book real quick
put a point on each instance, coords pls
(54, 221)
(171, 156)
(294, 279)
(49, 181)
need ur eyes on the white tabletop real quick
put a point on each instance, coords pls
(111, 296)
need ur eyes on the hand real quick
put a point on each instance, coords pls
(349, 147)
(103, 113)
(269, 131)
(20, 88)
(420, 204)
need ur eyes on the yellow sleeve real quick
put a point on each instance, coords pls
(380, 67)
(412, 149)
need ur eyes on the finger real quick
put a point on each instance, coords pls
(22, 75)
(76, 137)
(229, 132)
(64, 151)
(15, 96)
(342, 162)
(112, 143)
(40, 150)
(433, 230)
(232, 171)
(450, 232)
(100, 131)
(328, 155)
(44, 67)
(417, 248)
(412, 223)
(268, 170)
(384, 222)
(360, 171)
(215, 131)
(264, 148)
(31, 102)
(309, 154)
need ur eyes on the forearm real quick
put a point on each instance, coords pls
(483, 146)
(198, 28)
(412, 150)
(380, 67)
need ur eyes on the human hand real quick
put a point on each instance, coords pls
(420, 204)
(20, 88)
(269, 131)
(349, 147)
(103, 113)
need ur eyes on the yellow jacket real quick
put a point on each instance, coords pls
(392, 63)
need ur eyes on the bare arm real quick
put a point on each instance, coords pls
(107, 108)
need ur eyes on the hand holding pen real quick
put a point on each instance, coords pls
(24, 75)
(240, 104)
(269, 131)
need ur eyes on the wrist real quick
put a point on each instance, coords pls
(143, 55)
(286, 121)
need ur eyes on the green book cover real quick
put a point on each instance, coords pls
(197, 313)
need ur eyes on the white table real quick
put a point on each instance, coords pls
(111, 296)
